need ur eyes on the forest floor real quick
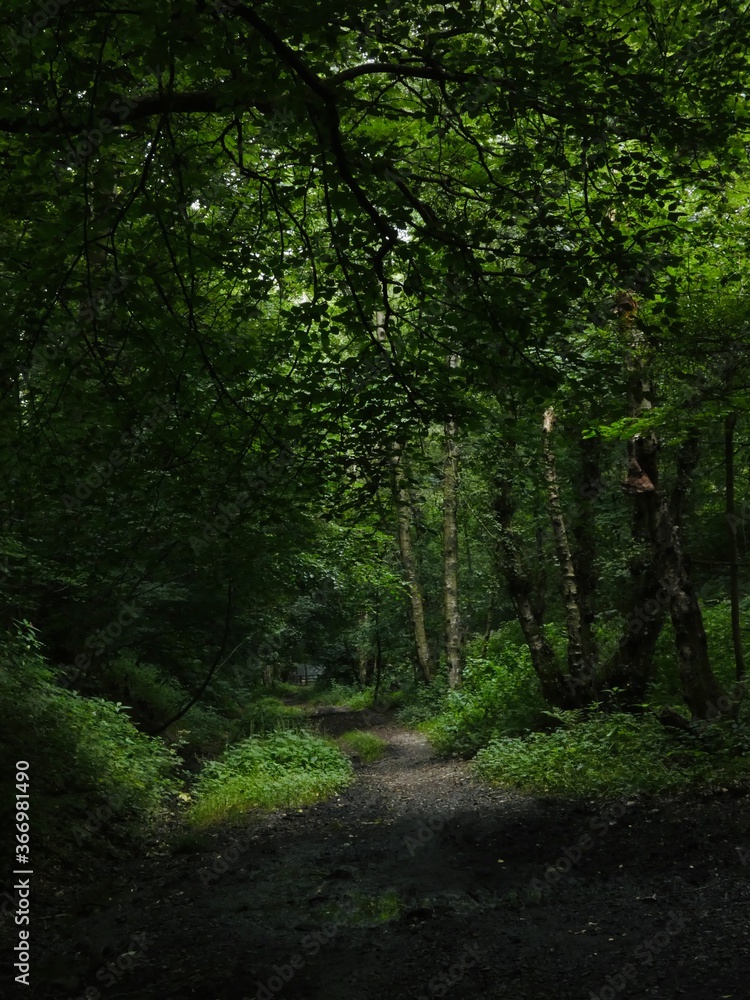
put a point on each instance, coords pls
(418, 882)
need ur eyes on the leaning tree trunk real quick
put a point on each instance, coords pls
(581, 665)
(453, 644)
(734, 562)
(552, 681)
(700, 689)
(402, 500)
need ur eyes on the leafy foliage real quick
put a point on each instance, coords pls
(614, 754)
(266, 772)
(95, 763)
(499, 696)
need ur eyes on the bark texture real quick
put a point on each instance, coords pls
(402, 501)
(734, 561)
(555, 687)
(581, 666)
(453, 636)
(658, 517)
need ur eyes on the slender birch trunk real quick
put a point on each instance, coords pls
(453, 631)
(580, 649)
(734, 566)
(402, 501)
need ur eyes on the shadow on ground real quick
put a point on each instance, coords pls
(418, 882)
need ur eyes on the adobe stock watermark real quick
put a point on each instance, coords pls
(110, 974)
(95, 304)
(36, 22)
(119, 110)
(131, 440)
(573, 854)
(439, 985)
(230, 512)
(225, 861)
(97, 818)
(423, 834)
(645, 954)
(282, 975)
(98, 642)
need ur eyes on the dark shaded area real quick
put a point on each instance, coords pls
(419, 882)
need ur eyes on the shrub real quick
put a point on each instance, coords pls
(499, 696)
(266, 715)
(348, 695)
(276, 770)
(614, 753)
(423, 702)
(87, 759)
(153, 698)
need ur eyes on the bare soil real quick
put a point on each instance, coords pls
(417, 882)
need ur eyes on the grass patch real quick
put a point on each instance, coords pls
(362, 910)
(272, 771)
(367, 745)
(325, 693)
(266, 715)
(616, 754)
(344, 695)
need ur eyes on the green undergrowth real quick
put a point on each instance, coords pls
(364, 744)
(93, 775)
(324, 693)
(272, 771)
(617, 753)
(266, 714)
(499, 696)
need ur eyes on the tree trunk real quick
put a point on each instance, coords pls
(378, 665)
(629, 667)
(551, 679)
(403, 504)
(402, 501)
(453, 637)
(734, 569)
(584, 531)
(364, 662)
(659, 521)
(581, 665)
(488, 624)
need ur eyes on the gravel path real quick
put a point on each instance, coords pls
(419, 882)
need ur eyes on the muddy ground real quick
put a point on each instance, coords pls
(416, 882)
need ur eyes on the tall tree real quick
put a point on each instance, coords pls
(453, 627)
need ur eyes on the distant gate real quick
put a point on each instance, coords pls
(306, 673)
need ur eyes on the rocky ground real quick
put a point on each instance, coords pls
(417, 882)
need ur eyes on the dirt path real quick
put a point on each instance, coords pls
(417, 882)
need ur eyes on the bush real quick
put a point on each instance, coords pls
(328, 693)
(499, 696)
(152, 698)
(615, 754)
(266, 715)
(347, 695)
(423, 702)
(87, 759)
(268, 772)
